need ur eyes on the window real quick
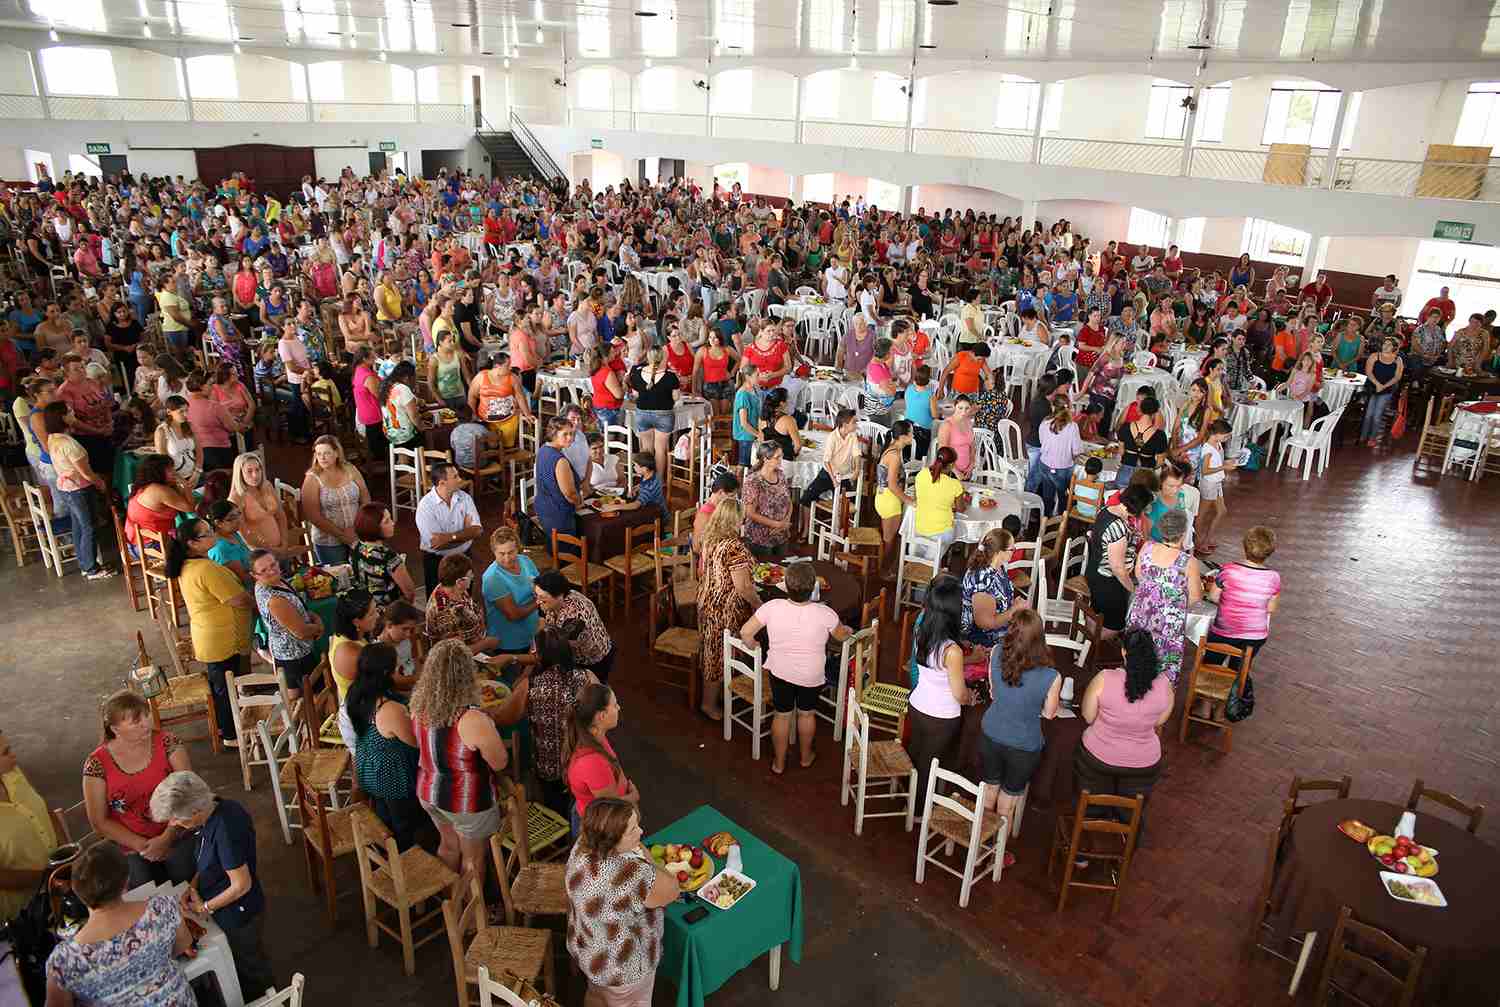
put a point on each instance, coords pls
(395, 27)
(80, 164)
(658, 88)
(317, 19)
(818, 188)
(1015, 105)
(209, 18)
(595, 88)
(893, 26)
(736, 25)
(1190, 234)
(1166, 118)
(825, 25)
(212, 77)
(326, 81)
(1052, 96)
(728, 174)
(1301, 113)
(593, 34)
(888, 101)
(1479, 125)
(403, 85)
(885, 195)
(731, 93)
(820, 95)
(72, 70)
(427, 84)
(1146, 228)
(1264, 239)
(87, 14)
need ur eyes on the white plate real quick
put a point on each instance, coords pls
(1386, 877)
(711, 882)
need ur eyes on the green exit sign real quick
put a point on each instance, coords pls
(597, 143)
(1453, 230)
(389, 146)
(96, 148)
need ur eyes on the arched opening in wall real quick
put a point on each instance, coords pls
(1470, 272)
(213, 77)
(1268, 241)
(884, 195)
(325, 81)
(961, 198)
(730, 174)
(80, 70)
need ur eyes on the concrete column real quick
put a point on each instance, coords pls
(1188, 129)
(1028, 214)
(797, 119)
(307, 90)
(187, 89)
(1036, 127)
(911, 104)
(906, 191)
(1316, 257)
(796, 188)
(1330, 164)
(33, 56)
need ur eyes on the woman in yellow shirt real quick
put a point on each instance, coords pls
(388, 306)
(219, 613)
(937, 492)
(27, 838)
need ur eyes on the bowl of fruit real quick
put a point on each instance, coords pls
(770, 574)
(493, 693)
(315, 582)
(988, 503)
(1403, 855)
(690, 865)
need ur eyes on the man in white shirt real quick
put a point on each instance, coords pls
(447, 520)
(835, 280)
(869, 300)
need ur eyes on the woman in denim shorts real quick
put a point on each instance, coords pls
(715, 365)
(655, 387)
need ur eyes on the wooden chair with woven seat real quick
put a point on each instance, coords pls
(161, 590)
(675, 648)
(883, 761)
(1293, 808)
(1437, 431)
(747, 691)
(506, 989)
(582, 574)
(949, 819)
(855, 653)
(682, 475)
(320, 708)
(919, 561)
(546, 833)
(1475, 812)
(402, 881)
(327, 834)
(1266, 905)
(522, 951)
(1083, 506)
(489, 472)
(1214, 683)
(679, 572)
(187, 696)
(57, 545)
(522, 458)
(322, 767)
(635, 566)
(1102, 842)
(23, 536)
(130, 571)
(537, 887)
(885, 702)
(1370, 954)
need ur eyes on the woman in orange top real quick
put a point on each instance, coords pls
(968, 370)
(495, 398)
(1289, 345)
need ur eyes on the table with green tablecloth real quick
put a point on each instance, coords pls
(701, 957)
(123, 477)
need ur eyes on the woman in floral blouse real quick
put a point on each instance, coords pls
(592, 647)
(451, 612)
(767, 497)
(555, 682)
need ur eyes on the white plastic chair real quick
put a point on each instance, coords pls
(1311, 446)
(754, 301)
(619, 442)
(291, 996)
(1058, 608)
(957, 822)
(1184, 372)
(1011, 445)
(57, 546)
(746, 692)
(817, 396)
(1065, 356)
(986, 454)
(1143, 358)
(892, 765)
(405, 462)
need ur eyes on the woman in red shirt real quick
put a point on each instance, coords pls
(768, 353)
(715, 360)
(679, 355)
(593, 768)
(119, 778)
(1091, 340)
(1172, 262)
(609, 391)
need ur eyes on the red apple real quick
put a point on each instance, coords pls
(682, 876)
(1401, 867)
(1387, 859)
(697, 860)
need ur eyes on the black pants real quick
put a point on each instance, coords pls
(218, 686)
(602, 667)
(218, 458)
(822, 484)
(296, 417)
(296, 669)
(528, 382)
(380, 448)
(1101, 778)
(248, 947)
(403, 816)
(180, 864)
(931, 738)
(922, 440)
(430, 561)
(126, 359)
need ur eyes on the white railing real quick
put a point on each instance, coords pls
(860, 135)
(543, 115)
(249, 111)
(1112, 155)
(602, 118)
(961, 143)
(755, 127)
(362, 111)
(101, 107)
(434, 114)
(21, 106)
(682, 123)
(1439, 180)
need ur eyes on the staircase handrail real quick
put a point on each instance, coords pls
(528, 143)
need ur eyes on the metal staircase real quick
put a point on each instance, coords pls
(516, 152)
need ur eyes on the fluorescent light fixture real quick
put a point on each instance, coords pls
(52, 34)
(539, 37)
(146, 30)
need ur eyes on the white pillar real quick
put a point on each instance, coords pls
(307, 91)
(1330, 164)
(906, 195)
(34, 57)
(1028, 214)
(797, 119)
(1315, 258)
(911, 104)
(1036, 127)
(1189, 127)
(187, 87)
(796, 188)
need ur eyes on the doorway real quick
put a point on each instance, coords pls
(113, 165)
(377, 162)
(476, 85)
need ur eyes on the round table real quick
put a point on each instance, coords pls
(1251, 419)
(1004, 353)
(973, 524)
(842, 594)
(797, 310)
(568, 379)
(1337, 391)
(1323, 870)
(1469, 386)
(1160, 380)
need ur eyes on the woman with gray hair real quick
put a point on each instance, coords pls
(226, 885)
(1167, 583)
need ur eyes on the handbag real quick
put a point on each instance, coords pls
(1398, 425)
(1241, 702)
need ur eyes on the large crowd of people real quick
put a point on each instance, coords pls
(194, 317)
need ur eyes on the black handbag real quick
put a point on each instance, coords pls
(1241, 702)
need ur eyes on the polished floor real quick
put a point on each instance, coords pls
(1381, 665)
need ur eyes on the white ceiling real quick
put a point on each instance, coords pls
(1290, 31)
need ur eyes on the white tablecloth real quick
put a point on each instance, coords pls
(973, 524)
(798, 310)
(1336, 392)
(571, 379)
(1156, 378)
(1007, 354)
(213, 947)
(1251, 419)
(1469, 428)
(471, 240)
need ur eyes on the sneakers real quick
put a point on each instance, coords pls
(100, 573)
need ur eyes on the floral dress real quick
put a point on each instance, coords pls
(771, 500)
(131, 969)
(1159, 606)
(720, 606)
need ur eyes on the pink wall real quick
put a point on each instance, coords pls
(937, 198)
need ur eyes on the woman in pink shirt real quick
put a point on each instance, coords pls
(366, 388)
(798, 629)
(212, 424)
(1246, 593)
(1121, 751)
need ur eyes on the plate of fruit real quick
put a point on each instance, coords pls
(768, 573)
(1403, 856)
(315, 582)
(493, 693)
(609, 500)
(726, 889)
(690, 865)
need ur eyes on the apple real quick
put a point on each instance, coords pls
(1401, 867)
(682, 876)
(658, 852)
(697, 859)
(1387, 859)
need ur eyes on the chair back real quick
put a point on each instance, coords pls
(858, 654)
(857, 733)
(1143, 358)
(619, 442)
(740, 657)
(291, 996)
(942, 787)
(1075, 561)
(580, 561)
(1419, 791)
(320, 699)
(1339, 787)
(1371, 952)
(310, 807)
(461, 916)
(500, 988)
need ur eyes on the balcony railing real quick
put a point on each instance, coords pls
(115, 109)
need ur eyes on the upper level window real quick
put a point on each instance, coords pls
(1301, 113)
(1267, 240)
(1479, 125)
(888, 100)
(731, 93)
(326, 81)
(595, 87)
(1166, 118)
(212, 77)
(77, 70)
(1146, 228)
(1016, 104)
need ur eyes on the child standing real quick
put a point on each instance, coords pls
(1211, 484)
(648, 489)
(919, 408)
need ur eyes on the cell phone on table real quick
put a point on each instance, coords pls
(694, 915)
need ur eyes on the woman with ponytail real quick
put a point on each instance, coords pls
(593, 768)
(937, 494)
(990, 601)
(1121, 751)
(1061, 443)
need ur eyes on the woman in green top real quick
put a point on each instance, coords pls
(385, 747)
(1350, 344)
(231, 550)
(448, 372)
